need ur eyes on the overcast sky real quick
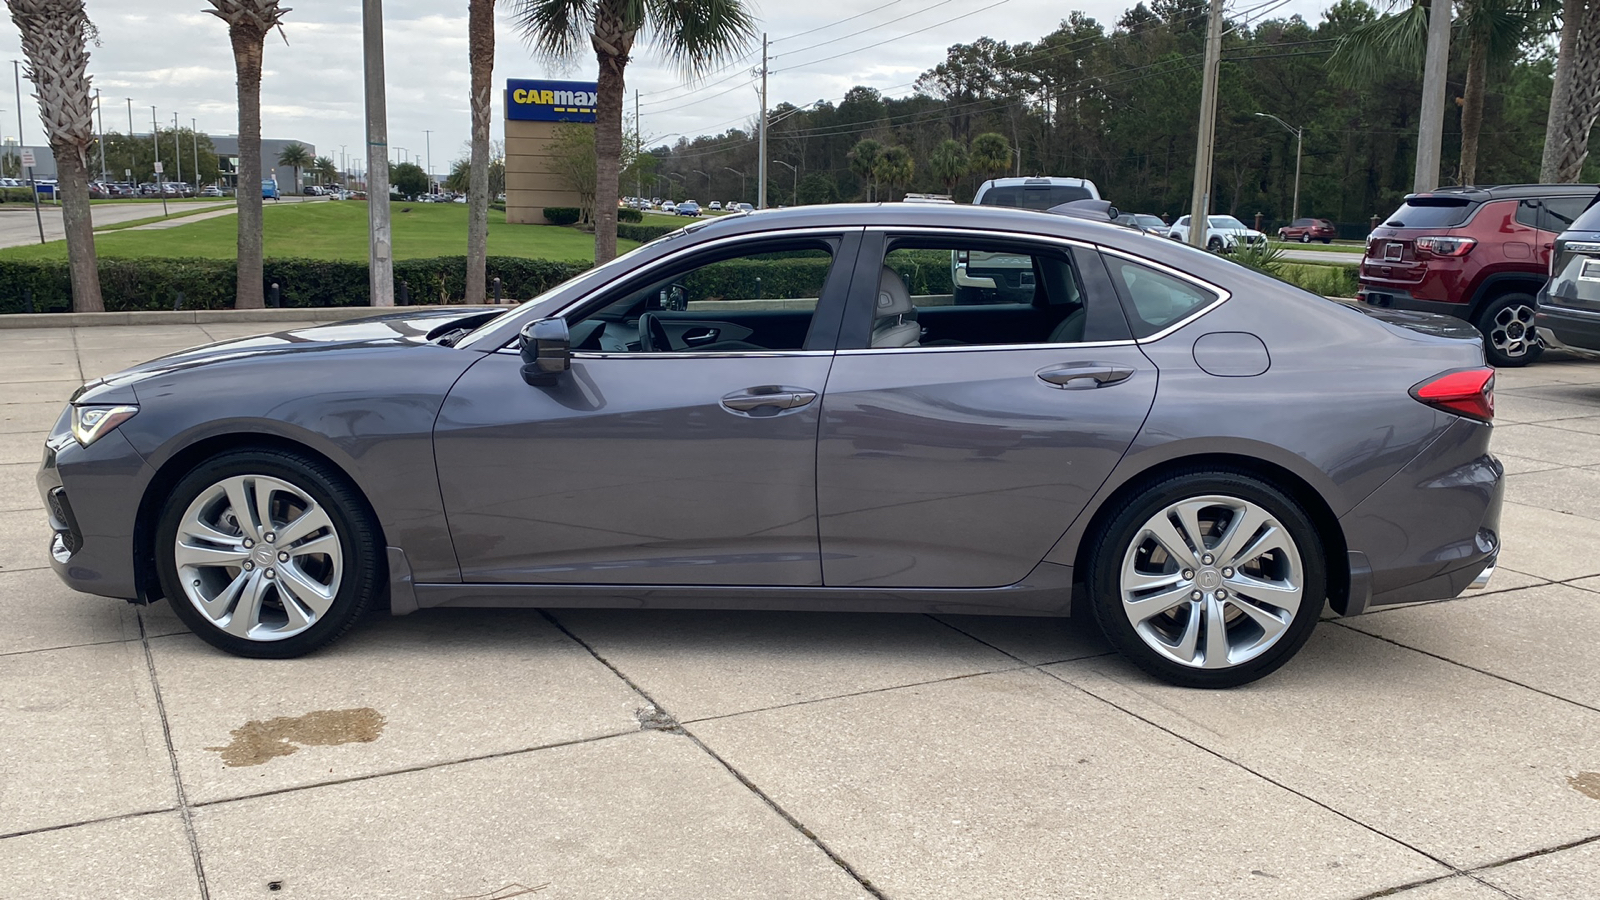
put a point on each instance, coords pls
(170, 54)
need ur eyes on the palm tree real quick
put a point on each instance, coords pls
(1493, 29)
(248, 24)
(480, 56)
(864, 163)
(895, 168)
(325, 170)
(54, 39)
(1575, 95)
(695, 35)
(991, 154)
(948, 163)
(297, 157)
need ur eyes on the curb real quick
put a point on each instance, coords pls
(193, 316)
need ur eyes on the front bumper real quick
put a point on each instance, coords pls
(91, 497)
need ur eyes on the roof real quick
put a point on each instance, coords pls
(1485, 192)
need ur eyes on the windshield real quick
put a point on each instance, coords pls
(1034, 196)
(1227, 222)
(1149, 221)
(1431, 212)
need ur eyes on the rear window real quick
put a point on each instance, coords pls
(1431, 212)
(1028, 196)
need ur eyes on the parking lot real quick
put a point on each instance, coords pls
(1440, 751)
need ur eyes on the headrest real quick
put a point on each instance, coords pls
(893, 298)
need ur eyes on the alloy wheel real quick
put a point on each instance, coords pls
(1511, 330)
(258, 557)
(1212, 582)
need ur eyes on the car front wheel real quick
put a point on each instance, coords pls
(1305, 238)
(267, 553)
(1208, 579)
(1509, 340)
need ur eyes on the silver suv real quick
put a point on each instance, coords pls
(979, 277)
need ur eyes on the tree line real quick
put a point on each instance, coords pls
(1118, 105)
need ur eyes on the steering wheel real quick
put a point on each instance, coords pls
(653, 335)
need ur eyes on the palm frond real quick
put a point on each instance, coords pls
(554, 28)
(1395, 40)
(698, 34)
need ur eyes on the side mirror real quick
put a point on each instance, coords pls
(546, 351)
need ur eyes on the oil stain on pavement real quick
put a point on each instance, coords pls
(256, 742)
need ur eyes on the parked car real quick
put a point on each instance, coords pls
(1034, 193)
(1144, 222)
(1118, 417)
(1224, 234)
(211, 190)
(1476, 253)
(269, 189)
(1568, 315)
(1307, 230)
(926, 198)
(716, 206)
(688, 208)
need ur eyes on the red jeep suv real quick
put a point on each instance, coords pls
(1476, 253)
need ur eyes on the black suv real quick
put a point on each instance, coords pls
(1569, 305)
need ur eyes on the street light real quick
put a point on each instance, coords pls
(742, 194)
(708, 181)
(796, 172)
(1299, 139)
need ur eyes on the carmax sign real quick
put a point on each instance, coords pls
(550, 101)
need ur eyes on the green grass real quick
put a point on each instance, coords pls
(1335, 247)
(151, 220)
(335, 230)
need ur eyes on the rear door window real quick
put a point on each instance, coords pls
(1561, 212)
(1431, 212)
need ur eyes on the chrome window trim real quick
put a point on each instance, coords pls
(684, 354)
(1222, 294)
(978, 348)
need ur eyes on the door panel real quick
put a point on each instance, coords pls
(635, 469)
(962, 468)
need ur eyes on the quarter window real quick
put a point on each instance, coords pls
(1156, 300)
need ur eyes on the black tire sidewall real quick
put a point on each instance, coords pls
(364, 565)
(1486, 322)
(1105, 564)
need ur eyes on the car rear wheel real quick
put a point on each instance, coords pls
(1208, 579)
(1509, 340)
(1305, 238)
(267, 553)
(1214, 245)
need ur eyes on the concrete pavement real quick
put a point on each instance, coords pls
(1440, 751)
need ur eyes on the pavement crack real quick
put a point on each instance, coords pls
(184, 810)
(658, 710)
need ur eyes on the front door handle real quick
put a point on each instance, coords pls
(1085, 376)
(777, 399)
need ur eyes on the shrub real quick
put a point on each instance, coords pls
(1329, 281)
(629, 215)
(759, 279)
(154, 284)
(562, 215)
(644, 234)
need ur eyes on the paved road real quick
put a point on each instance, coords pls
(18, 225)
(1443, 751)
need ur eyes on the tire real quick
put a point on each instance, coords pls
(279, 589)
(1214, 245)
(1506, 323)
(1305, 238)
(1327, 240)
(1268, 607)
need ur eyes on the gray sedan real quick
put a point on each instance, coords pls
(790, 410)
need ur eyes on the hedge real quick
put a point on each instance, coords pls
(626, 214)
(644, 234)
(154, 284)
(562, 215)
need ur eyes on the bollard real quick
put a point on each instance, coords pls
(27, 300)
(497, 290)
(274, 296)
(405, 294)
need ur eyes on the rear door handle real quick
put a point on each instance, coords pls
(776, 399)
(1085, 376)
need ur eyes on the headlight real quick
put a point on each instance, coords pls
(90, 422)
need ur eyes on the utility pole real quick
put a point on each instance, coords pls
(1430, 131)
(761, 171)
(381, 263)
(428, 147)
(100, 114)
(194, 133)
(177, 148)
(638, 146)
(22, 151)
(1200, 200)
(155, 139)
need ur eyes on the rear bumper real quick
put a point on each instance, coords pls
(1394, 298)
(1573, 331)
(1432, 530)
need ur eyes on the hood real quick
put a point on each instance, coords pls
(412, 327)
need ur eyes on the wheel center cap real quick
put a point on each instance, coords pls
(263, 555)
(1209, 579)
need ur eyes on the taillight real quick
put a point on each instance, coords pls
(1446, 246)
(1465, 392)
